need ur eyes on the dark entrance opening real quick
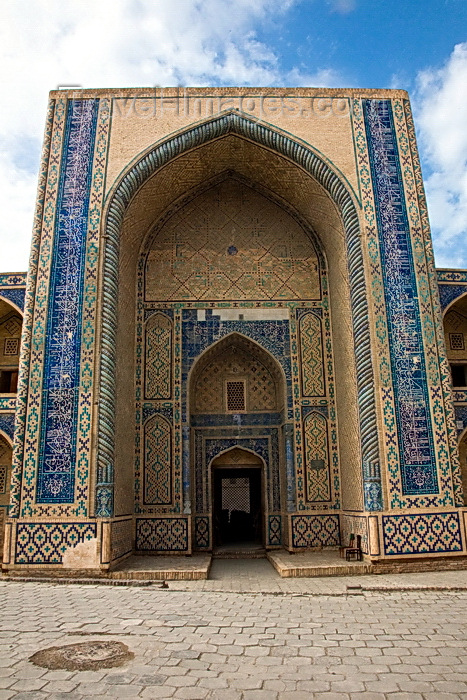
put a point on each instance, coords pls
(237, 506)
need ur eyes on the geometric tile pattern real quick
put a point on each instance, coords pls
(164, 534)
(274, 530)
(315, 530)
(211, 249)
(312, 356)
(451, 276)
(45, 543)
(3, 476)
(318, 486)
(17, 279)
(63, 333)
(11, 346)
(158, 462)
(414, 432)
(202, 532)
(422, 533)
(13, 325)
(158, 383)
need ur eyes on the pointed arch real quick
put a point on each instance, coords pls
(249, 347)
(299, 154)
(235, 448)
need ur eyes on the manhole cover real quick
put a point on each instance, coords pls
(87, 656)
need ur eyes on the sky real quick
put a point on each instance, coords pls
(420, 46)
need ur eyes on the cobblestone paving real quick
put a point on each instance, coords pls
(198, 644)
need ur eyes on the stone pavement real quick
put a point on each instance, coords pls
(307, 638)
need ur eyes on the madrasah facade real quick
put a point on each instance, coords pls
(231, 330)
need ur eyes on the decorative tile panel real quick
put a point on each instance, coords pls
(451, 276)
(46, 543)
(157, 462)
(437, 366)
(458, 395)
(7, 279)
(311, 345)
(56, 467)
(274, 531)
(158, 374)
(202, 539)
(318, 487)
(162, 534)
(17, 296)
(422, 533)
(3, 476)
(315, 530)
(414, 432)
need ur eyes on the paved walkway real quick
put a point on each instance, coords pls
(253, 575)
(305, 639)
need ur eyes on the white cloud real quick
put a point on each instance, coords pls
(343, 6)
(117, 43)
(441, 116)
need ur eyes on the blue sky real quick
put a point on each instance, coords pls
(418, 46)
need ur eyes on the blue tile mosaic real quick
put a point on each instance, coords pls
(7, 424)
(15, 295)
(56, 467)
(422, 533)
(235, 420)
(164, 409)
(461, 417)
(417, 457)
(450, 292)
(46, 543)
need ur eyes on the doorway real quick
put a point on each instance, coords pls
(237, 506)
